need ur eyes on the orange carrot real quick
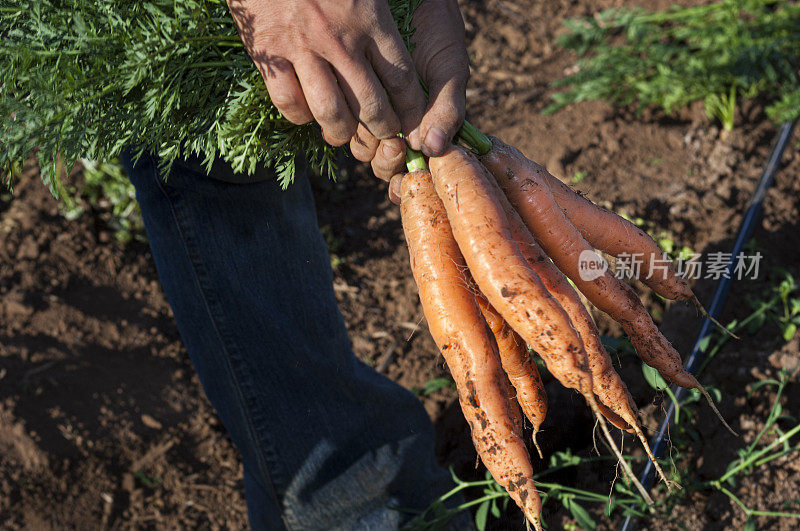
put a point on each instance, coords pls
(458, 328)
(619, 237)
(480, 227)
(615, 402)
(516, 411)
(564, 244)
(607, 385)
(520, 368)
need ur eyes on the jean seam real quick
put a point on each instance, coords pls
(252, 431)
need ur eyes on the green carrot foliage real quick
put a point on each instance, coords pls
(85, 78)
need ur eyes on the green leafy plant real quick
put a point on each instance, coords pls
(431, 386)
(107, 188)
(719, 54)
(759, 452)
(579, 176)
(85, 78)
(147, 481)
(779, 305)
(489, 500)
(789, 318)
(493, 499)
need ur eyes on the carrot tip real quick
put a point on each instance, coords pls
(532, 516)
(704, 313)
(615, 449)
(536, 444)
(714, 408)
(668, 482)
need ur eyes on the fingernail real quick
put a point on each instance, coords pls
(394, 190)
(413, 139)
(391, 150)
(435, 141)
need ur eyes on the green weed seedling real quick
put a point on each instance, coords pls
(719, 54)
(431, 386)
(492, 499)
(759, 452)
(107, 188)
(779, 305)
(147, 481)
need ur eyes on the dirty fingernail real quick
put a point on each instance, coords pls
(394, 189)
(413, 139)
(435, 141)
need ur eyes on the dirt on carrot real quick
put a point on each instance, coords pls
(465, 341)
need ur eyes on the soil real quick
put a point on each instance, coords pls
(103, 422)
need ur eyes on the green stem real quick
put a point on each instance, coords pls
(776, 456)
(724, 338)
(585, 495)
(478, 501)
(211, 64)
(770, 420)
(583, 460)
(474, 139)
(415, 160)
(759, 454)
(463, 486)
(752, 512)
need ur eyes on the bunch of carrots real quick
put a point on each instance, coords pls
(493, 240)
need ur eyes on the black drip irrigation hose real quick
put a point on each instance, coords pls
(658, 442)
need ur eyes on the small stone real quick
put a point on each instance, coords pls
(128, 483)
(150, 422)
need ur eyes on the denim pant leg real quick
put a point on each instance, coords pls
(326, 441)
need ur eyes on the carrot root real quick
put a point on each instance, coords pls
(700, 308)
(615, 449)
(714, 409)
(604, 229)
(536, 443)
(461, 333)
(623, 415)
(646, 445)
(523, 376)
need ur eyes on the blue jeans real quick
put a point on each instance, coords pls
(326, 441)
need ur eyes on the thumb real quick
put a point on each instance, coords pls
(440, 57)
(445, 113)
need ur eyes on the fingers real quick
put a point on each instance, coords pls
(326, 100)
(367, 98)
(394, 188)
(387, 157)
(444, 115)
(390, 158)
(395, 68)
(284, 90)
(363, 145)
(441, 59)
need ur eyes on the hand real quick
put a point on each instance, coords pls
(339, 62)
(441, 59)
(343, 64)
